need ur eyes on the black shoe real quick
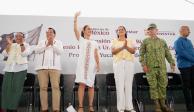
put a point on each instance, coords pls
(190, 107)
(11, 111)
(8, 110)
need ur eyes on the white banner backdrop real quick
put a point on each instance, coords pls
(103, 30)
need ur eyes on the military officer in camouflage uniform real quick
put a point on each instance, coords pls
(153, 52)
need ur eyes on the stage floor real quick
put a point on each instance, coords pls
(148, 108)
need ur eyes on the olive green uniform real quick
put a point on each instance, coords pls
(152, 54)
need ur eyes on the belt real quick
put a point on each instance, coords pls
(156, 67)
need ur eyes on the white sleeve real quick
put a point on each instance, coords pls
(5, 54)
(40, 47)
(81, 39)
(27, 50)
(58, 47)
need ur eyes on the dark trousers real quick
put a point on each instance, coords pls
(188, 84)
(12, 89)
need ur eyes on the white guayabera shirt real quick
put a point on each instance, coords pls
(49, 57)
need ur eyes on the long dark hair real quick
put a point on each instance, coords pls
(125, 31)
(82, 32)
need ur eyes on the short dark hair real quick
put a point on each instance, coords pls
(52, 29)
(21, 33)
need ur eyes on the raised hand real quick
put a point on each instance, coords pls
(76, 31)
(125, 44)
(50, 42)
(9, 42)
(77, 14)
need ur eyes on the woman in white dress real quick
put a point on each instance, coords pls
(87, 65)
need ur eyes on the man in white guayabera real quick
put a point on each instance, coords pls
(48, 67)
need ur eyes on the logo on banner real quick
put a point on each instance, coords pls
(166, 33)
(100, 31)
(162, 33)
(130, 31)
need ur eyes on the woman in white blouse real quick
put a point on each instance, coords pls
(15, 71)
(87, 65)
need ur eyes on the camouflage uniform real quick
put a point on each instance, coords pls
(152, 54)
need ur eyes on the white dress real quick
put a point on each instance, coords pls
(86, 65)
